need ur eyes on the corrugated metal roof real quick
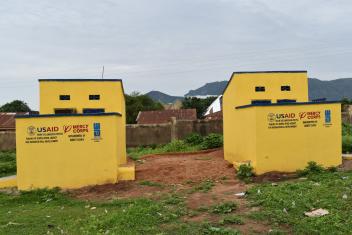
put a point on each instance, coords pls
(7, 121)
(164, 116)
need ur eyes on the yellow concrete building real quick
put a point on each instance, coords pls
(270, 123)
(77, 140)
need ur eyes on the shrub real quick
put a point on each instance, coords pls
(175, 146)
(311, 168)
(347, 144)
(212, 141)
(194, 139)
(245, 171)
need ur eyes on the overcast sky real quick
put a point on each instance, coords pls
(171, 46)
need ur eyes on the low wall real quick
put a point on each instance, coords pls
(137, 135)
(7, 140)
(202, 127)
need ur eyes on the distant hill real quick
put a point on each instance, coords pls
(209, 89)
(162, 97)
(331, 90)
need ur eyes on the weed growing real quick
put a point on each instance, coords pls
(311, 168)
(151, 184)
(231, 219)
(245, 171)
(204, 186)
(224, 208)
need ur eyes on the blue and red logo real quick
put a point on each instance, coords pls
(96, 130)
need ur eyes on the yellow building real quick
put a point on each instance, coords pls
(270, 123)
(77, 140)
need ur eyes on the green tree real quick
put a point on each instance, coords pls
(135, 102)
(199, 104)
(15, 106)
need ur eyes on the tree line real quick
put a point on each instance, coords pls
(135, 102)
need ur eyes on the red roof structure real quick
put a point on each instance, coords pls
(7, 120)
(164, 116)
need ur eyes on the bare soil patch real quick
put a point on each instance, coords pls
(177, 169)
(167, 170)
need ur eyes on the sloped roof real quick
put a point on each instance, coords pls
(7, 121)
(164, 116)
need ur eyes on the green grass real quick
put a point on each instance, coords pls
(151, 184)
(7, 163)
(287, 202)
(204, 186)
(174, 146)
(224, 208)
(49, 211)
(52, 212)
(231, 219)
(193, 142)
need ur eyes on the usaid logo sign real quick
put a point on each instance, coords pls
(271, 117)
(31, 130)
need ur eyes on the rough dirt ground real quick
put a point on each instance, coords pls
(176, 170)
(179, 174)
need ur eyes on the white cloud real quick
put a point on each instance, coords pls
(168, 45)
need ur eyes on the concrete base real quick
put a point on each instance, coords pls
(8, 182)
(126, 172)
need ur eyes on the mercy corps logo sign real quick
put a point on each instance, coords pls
(32, 130)
(302, 115)
(309, 115)
(75, 128)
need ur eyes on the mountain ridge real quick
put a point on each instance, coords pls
(164, 98)
(330, 89)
